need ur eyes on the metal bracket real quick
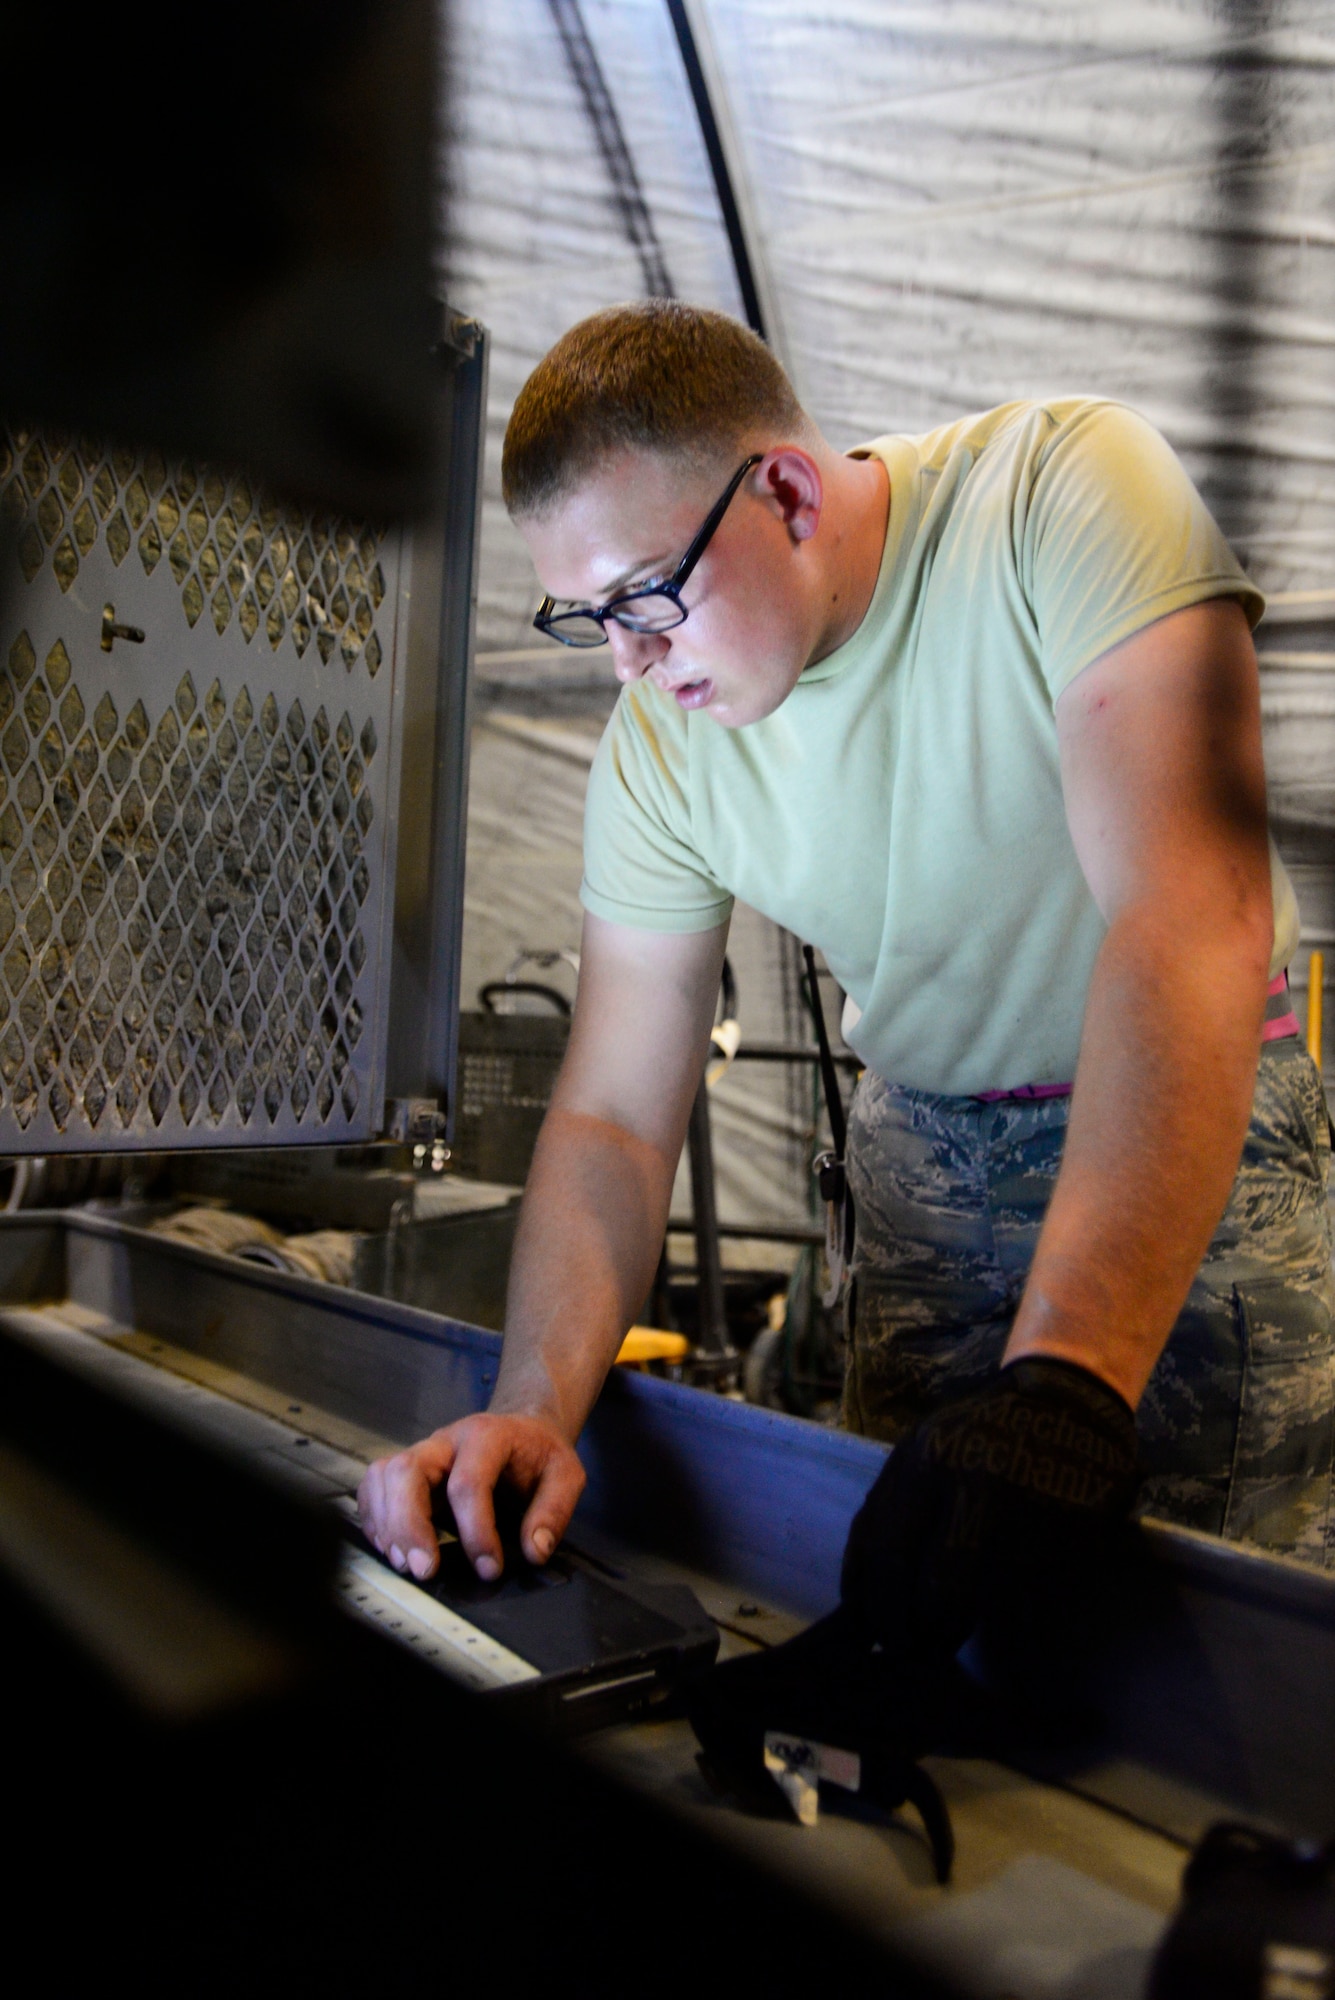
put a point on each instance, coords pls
(459, 335)
(413, 1120)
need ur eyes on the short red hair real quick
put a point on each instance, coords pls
(655, 375)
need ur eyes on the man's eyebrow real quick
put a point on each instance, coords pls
(636, 570)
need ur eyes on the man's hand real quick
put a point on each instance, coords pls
(595, 1208)
(472, 1456)
(1014, 1488)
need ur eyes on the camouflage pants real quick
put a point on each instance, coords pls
(1237, 1425)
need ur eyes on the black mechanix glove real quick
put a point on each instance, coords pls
(1006, 1497)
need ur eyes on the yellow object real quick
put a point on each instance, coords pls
(724, 1042)
(647, 1343)
(1316, 976)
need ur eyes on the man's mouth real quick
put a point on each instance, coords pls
(694, 694)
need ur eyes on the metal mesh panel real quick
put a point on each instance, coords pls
(193, 831)
(227, 547)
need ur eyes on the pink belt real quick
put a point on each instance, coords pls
(1280, 1019)
(1280, 1022)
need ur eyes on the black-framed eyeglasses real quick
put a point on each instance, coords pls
(655, 608)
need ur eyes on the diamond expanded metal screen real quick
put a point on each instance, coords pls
(229, 549)
(197, 781)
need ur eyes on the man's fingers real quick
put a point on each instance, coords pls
(395, 1503)
(409, 1529)
(371, 1502)
(561, 1482)
(472, 1455)
(471, 1488)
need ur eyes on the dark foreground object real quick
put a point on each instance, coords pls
(1257, 1922)
(827, 1708)
(999, 1511)
(212, 1778)
(302, 351)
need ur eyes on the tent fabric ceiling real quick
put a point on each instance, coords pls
(955, 202)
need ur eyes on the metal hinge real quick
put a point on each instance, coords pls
(459, 336)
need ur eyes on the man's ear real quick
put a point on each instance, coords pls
(789, 481)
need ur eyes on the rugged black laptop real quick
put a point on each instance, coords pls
(579, 1642)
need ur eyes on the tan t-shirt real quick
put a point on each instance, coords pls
(902, 808)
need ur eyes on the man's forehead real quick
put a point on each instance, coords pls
(634, 510)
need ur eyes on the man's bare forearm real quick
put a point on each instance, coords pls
(1161, 1105)
(592, 1225)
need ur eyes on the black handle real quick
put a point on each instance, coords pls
(496, 989)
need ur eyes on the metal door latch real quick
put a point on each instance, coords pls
(111, 631)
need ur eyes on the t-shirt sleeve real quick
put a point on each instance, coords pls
(641, 867)
(1115, 537)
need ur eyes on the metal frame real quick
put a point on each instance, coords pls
(691, 28)
(200, 741)
(423, 1048)
(1210, 1683)
(212, 905)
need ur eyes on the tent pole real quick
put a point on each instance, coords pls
(699, 62)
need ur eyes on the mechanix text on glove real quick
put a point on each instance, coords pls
(990, 1495)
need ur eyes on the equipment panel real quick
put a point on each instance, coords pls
(198, 770)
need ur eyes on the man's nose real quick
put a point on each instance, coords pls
(633, 653)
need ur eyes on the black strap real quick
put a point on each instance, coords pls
(834, 1103)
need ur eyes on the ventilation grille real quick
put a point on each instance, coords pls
(230, 551)
(508, 1065)
(195, 866)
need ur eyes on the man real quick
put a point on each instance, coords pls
(976, 713)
